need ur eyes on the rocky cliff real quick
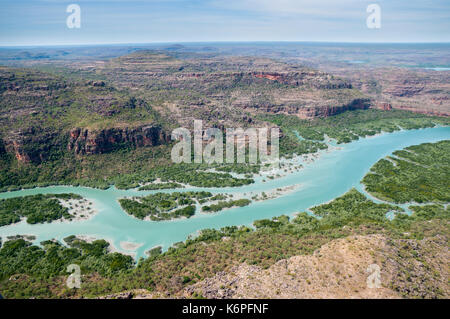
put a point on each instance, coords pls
(30, 145)
(325, 111)
(35, 145)
(85, 141)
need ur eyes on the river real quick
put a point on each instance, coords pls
(331, 175)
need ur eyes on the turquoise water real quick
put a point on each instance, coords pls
(438, 69)
(333, 174)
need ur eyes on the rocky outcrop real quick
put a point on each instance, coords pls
(86, 141)
(35, 145)
(342, 268)
(310, 78)
(405, 90)
(30, 145)
(308, 111)
(325, 111)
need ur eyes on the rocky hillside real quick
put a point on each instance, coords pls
(417, 90)
(225, 87)
(340, 269)
(43, 114)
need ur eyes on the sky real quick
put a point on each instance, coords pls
(43, 22)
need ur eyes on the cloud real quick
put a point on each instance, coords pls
(324, 8)
(224, 20)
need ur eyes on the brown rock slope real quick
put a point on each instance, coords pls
(339, 269)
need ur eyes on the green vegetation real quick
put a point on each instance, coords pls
(19, 261)
(40, 271)
(422, 213)
(66, 103)
(345, 127)
(154, 252)
(418, 173)
(353, 206)
(226, 204)
(157, 186)
(239, 168)
(193, 175)
(102, 171)
(163, 206)
(47, 107)
(69, 102)
(35, 208)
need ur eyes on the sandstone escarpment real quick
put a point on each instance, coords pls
(307, 78)
(35, 145)
(30, 145)
(313, 111)
(86, 141)
(310, 112)
(325, 111)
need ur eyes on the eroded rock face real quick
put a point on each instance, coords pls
(30, 145)
(35, 145)
(325, 111)
(85, 141)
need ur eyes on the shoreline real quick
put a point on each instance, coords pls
(127, 248)
(81, 210)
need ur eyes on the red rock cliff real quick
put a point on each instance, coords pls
(85, 141)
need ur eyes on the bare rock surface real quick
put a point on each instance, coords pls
(339, 269)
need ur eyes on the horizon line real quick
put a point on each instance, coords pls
(219, 42)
